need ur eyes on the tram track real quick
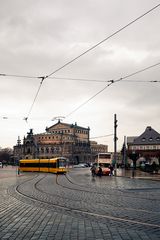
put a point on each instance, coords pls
(83, 212)
(120, 191)
(131, 209)
(94, 214)
(79, 190)
(88, 191)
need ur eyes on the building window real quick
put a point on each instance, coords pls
(47, 150)
(150, 147)
(143, 139)
(133, 147)
(150, 139)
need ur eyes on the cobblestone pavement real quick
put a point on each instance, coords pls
(77, 206)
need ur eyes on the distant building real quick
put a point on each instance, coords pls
(146, 146)
(98, 148)
(61, 139)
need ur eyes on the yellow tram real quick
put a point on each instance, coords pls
(53, 165)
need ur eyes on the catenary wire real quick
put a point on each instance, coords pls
(94, 46)
(108, 135)
(26, 118)
(100, 80)
(111, 82)
(88, 50)
(85, 52)
(104, 40)
(88, 100)
(16, 75)
(80, 79)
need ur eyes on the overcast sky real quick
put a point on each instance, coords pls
(38, 37)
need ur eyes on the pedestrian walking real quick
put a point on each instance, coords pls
(100, 171)
(93, 170)
(111, 170)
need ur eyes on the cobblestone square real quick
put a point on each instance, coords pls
(78, 206)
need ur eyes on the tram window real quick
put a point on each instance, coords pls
(52, 164)
(39, 164)
(45, 165)
(29, 164)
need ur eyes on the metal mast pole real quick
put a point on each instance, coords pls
(115, 143)
(124, 152)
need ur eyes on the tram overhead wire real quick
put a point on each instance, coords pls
(88, 50)
(104, 40)
(82, 54)
(111, 82)
(81, 79)
(108, 135)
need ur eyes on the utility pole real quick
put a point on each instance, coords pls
(124, 153)
(115, 143)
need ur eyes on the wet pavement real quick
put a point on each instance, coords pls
(78, 206)
(137, 174)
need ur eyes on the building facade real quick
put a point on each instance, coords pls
(61, 139)
(146, 146)
(98, 148)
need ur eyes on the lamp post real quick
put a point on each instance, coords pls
(133, 153)
(115, 143)
(134, 157)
